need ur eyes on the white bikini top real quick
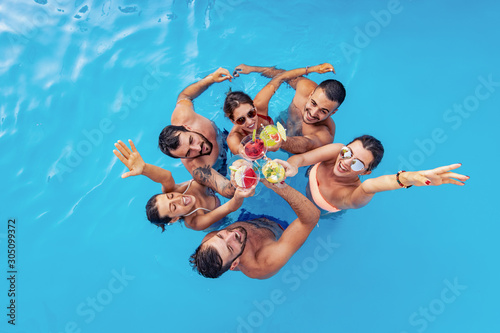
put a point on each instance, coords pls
(194, 211)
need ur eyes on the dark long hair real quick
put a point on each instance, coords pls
(154, 216)
(233, 100)
(374, 146)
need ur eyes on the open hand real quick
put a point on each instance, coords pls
(131, 158)
(436, 177)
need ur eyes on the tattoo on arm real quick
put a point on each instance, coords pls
(207, 176)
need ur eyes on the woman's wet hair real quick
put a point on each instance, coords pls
(374, 146)
(334, 90)
(154, 216)
(233, 100)
(208, 262)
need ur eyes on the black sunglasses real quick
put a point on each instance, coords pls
(250, 114)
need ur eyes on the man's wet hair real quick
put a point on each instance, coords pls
(169, 139)
(208, 262)
(374, 146)
(233, 100)
(334, 90)
(153, 214)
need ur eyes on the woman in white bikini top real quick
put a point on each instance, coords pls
(196, 204)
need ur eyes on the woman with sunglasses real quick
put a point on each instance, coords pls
(334, 182)
(248, 115)
(196, 204)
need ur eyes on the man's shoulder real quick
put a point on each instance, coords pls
(192, 119)
(298, 102)
(255, 271)
(206, 125)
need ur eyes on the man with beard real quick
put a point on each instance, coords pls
(308, 120)
(259, 247)
(195, 139)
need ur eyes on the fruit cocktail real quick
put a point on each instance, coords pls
(252, 149)
(244, 175)
(273, 171)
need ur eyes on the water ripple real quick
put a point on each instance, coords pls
(128, 10)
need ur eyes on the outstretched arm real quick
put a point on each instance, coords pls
(134, 162)
(442, 175)
(304, 86)
(276, 255)
(262, 99)
(303, 144)
(270, 71)
(321, 69)
(184, 109)
(206, 220)
(209, 177)
(312, 157)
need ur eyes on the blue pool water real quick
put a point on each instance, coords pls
(76, 76)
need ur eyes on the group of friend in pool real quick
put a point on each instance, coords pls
(261, 247)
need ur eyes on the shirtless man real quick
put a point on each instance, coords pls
(309, 124)
(259, 248)
(194, 138)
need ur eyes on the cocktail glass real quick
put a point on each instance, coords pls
(270, 136)
(274, 172)
(244, 174)
(252, 150)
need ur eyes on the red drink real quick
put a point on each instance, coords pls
(244, 175)
(249, 178)
(254, 149)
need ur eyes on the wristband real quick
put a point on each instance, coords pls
(399, 182)
(307, 67)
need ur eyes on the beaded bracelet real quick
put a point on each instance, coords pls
(307, 67)
(399, 182)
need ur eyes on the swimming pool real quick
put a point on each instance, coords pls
(78, 75)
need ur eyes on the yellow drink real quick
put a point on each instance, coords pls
(273, 172)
